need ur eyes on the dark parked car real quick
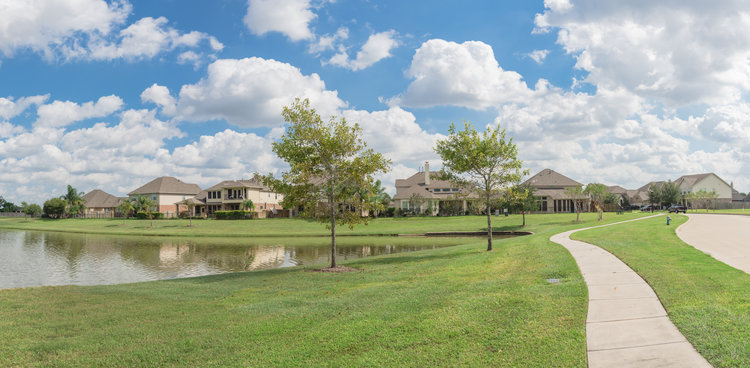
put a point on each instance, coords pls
(647, 208)
(677, 209)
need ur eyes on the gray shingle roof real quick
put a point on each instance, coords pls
(100, 199)
(238, 184)
(549, 178)
(167, 185)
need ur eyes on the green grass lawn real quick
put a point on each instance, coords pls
(707, 300)
(455, 306)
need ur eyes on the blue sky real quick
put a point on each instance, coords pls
(109, 94)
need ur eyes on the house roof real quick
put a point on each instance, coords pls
(690, 180)
(418, 179)
(616, 189)
(167, 185)
(238, 184)
(551, 178)
(100, 199)
(737, 196)
(645, 187)
(406, 193)
(557, 194)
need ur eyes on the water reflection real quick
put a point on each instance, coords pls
(40, 259)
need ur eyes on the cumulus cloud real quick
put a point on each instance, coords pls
(160, 96)
(377, 47)
(466, 74)
(289, 17)
(328, 42)
(88, 30)
(10, 108)
(62, 113)
(251, 93)
(677, 52)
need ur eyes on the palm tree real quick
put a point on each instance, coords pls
(144, 204)
(248, 205)
(379, 198)
(74, 200)
(125, 208)
(191, 210)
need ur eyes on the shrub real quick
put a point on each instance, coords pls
(54, 208)
(144, 215)
(232, 215)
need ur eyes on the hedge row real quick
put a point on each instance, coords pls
(232, 215)
(144, 215)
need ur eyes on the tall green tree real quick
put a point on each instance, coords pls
(521, 198)
(484, 162)
(75, 205)
(6, 206)
(30, 209)
(329, 164)
(654, 194)
(669, 193)
(576, 194)
(144, 204)
(379, 199)
(598, 194)
(54, 207)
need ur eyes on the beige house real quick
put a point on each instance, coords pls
(229, 195)
(166, 192)
(100, 203)
(422, 194)
(550, 189)
(709, 182)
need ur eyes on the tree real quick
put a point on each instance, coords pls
(654, 194)
(6, 206)
(379, 198)
(125, 207)
(329, 164)
(521, 198)
(669, 193)
(74, 201)
(415, 203)
(483, 162)
(191, 209)
(703, 197)
(54, 207)
(144, 204)
(598, 194)
(31, 209)
(248, 205)
(576, 194)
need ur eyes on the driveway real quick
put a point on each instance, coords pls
(724, 237)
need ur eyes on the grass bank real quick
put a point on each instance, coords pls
(261, 227)
(455, 306)
(707, 300)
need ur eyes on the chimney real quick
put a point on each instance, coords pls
(426, 173)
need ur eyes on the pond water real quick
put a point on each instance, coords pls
(29, 258)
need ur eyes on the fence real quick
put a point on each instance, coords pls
(12, 214)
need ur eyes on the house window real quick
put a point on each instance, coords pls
(153, 197)
(218, 194)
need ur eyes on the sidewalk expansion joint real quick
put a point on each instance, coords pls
(641, 346)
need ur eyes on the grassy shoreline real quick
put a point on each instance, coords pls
(455, 306)
(707, 300)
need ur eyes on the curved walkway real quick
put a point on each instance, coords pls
(626, 324)
(724, 237)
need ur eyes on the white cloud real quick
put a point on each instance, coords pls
(467, 74)
(62, 113)
(289, 17)
(677, 52)
(377, 47)
(87, 30)
(538, 55)
(45, 25)
(160, 96)
(10, 108)
(328, 42)
(251, 93)
(147, 38)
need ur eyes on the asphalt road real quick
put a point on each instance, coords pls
(724, 237)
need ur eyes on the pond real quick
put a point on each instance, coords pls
(29, 258)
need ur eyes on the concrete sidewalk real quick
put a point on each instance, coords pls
(626, 324)
(724, 237)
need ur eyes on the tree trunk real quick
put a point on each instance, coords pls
(489, 223)
(333, 234)
(523, 213)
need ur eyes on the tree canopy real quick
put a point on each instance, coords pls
(330, 169)
(483, 162)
